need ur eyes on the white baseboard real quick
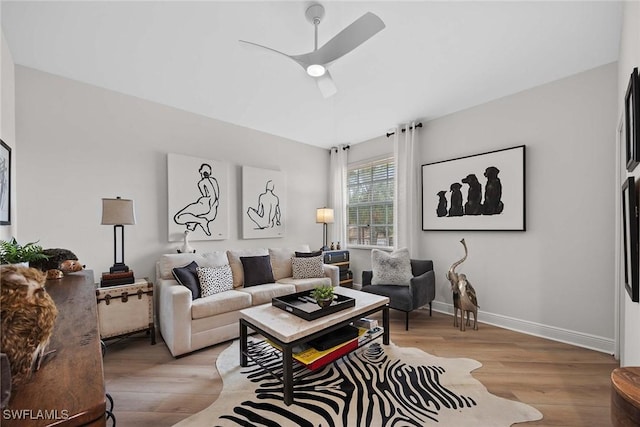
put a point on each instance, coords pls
(580, 339)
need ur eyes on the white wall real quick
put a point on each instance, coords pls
(8, 126)
(80, 143)
(555, 279)
(629, 58)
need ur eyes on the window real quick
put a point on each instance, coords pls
(370, 188)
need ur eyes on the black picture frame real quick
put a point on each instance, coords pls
(630, 237)
(5, 184)
(632, 121)
(449, 194)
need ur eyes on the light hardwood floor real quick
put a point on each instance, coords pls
(569, 385)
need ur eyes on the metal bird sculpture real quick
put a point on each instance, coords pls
(464, 295)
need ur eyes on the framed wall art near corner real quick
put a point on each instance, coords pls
(198, 198)
(263, 203)
(478, 192)
(632, 121)
(630, 237)
(5, 184)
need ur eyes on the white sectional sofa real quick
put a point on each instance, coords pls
(188, 324)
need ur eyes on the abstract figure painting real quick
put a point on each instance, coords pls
(198, 198)
(479, 192)
(263, 203)
(5, 183)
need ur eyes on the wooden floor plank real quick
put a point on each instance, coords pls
(569, 385)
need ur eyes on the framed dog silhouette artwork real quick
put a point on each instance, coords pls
(478, 192)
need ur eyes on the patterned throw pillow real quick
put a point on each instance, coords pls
(307, 267)
(391, 268)
(214, 280)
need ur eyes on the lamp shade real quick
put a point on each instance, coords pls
(118, 212)
(324, 216)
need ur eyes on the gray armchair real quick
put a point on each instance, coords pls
(421, 289)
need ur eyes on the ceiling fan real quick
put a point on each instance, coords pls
(316, 62)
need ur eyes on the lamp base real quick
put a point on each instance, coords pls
(118, 268)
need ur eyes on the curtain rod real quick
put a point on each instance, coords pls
(344, 148)
(419, 125)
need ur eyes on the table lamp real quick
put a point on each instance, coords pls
(324, 216)
(118, 212)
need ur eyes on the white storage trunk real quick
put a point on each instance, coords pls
(124, 309)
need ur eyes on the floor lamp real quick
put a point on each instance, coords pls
(324, 216)
(118, 212)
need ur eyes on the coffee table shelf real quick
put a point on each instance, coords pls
(287, 331)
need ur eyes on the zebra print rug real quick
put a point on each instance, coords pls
(376, 385)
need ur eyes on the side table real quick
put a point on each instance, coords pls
(125, 309)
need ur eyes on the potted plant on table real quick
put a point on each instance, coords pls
(323, 295)
(12, 252)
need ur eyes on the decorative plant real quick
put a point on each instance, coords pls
(12, 252)
(322, 293)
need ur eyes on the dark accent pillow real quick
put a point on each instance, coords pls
(257, 270)
(188, 276)
(308, 254)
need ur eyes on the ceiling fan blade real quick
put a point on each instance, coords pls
(361, 30)
(326, 85)
(273, 50)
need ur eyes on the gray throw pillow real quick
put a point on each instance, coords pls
(391, 268)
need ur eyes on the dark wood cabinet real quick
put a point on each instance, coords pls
(68, 390)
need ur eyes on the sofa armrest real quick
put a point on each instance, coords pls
(174, 316)
(367, 275)
(423, 288)
(333, 272)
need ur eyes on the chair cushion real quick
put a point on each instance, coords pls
(214, 280)
(307, 267)
(400, 297)
(391, 268)
(187, 276)
(256, 270)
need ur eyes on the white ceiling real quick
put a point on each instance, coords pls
(432, 59)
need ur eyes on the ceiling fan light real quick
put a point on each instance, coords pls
(316, 70)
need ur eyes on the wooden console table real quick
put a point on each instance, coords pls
(68, 390)
(625, 397)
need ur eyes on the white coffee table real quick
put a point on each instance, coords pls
(288, 330)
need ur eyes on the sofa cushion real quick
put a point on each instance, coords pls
(236, 264)
(187, 276)
(214, 280)
(391, 268)
(281, 260)
(169, 261)
(307, 267)
(308, 254)
(223, 302)
(264, 293)
(306, 284)
(256, 270)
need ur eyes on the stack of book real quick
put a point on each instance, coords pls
(117, 278)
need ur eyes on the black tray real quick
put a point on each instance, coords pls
(303, 305)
